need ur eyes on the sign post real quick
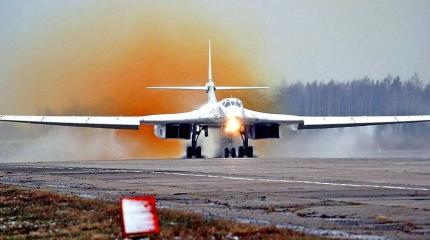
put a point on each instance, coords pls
(139, 217)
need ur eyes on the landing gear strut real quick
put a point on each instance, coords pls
(195, 150)
(245, 150)
(242, 151)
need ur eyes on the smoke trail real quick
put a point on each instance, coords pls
(103, 60)
(62, 144)
(348, 142)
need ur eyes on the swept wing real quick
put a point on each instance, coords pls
(306, 122)
(122, 122)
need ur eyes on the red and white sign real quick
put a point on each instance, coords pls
(139, 216)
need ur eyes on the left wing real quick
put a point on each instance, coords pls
(78, 121)
(305, 122)
(131, 122)
(193, 117)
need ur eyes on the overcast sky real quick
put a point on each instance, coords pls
(292, 40)
(348, 39)
(343, 40)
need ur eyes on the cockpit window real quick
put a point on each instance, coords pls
(232, 102)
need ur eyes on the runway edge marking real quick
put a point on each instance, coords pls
(291, 181)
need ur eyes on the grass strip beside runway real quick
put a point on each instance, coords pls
(40, 214)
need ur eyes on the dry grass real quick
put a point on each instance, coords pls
(384, 219)
(406, 226)
(36, 214)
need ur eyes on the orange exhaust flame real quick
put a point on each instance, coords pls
(232, 126)
(102, 68)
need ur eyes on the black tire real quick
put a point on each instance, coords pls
(189, 152)
(226, 152)
(233, 152)
(198, 152)
(250, 152)
(241, 152)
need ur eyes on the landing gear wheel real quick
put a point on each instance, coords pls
(233, 152)
(250, 152)
(195, 150)
(189, 152)
(198, 152)
(245, 149)
(241, 151)
(226, 152)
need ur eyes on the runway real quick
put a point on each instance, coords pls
(351, 198)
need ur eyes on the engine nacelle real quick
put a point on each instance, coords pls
(182, 131)
(264, 130)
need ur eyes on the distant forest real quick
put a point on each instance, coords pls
(388, 96)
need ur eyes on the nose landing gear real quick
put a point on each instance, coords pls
(196, 151)
(242, 151)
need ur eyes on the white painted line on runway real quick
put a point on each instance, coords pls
(292, 181)
(246, 178)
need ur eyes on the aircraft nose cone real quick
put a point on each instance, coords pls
(234, 111)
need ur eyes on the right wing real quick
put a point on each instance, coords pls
(336, 122)
(254, 117)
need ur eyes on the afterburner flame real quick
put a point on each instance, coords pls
(232, 125)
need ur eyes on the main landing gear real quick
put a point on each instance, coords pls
(243, 151)
(195, 150)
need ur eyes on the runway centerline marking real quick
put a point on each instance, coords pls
(291, 181)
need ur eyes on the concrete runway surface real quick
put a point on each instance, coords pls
(348, 198)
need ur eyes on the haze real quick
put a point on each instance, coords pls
(88, 57)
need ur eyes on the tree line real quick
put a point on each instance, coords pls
(361, 97)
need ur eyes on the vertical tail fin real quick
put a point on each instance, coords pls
(210, 63)
(210, 86)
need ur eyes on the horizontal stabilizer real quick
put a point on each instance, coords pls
(179, 88)
(205, 88)
(239, 88)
